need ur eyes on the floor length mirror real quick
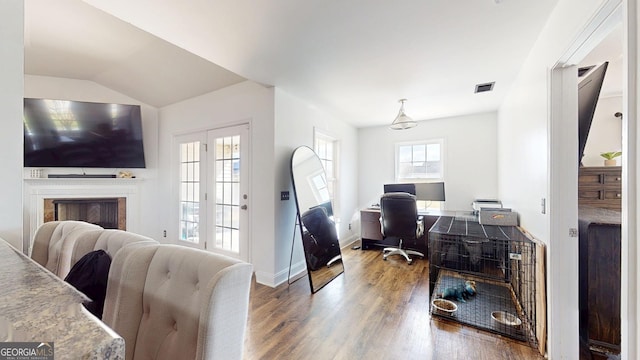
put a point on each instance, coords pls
(315, 216)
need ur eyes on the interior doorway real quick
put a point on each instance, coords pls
(563, 170)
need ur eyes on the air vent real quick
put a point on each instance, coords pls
(484, 87)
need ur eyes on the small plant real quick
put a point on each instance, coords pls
(611, 154)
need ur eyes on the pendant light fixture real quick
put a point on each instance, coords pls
(402, 121)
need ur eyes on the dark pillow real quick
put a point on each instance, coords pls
(89, 275)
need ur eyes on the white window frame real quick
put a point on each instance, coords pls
(333, 182)
(200, 137)
(438, 141)
(422, 204)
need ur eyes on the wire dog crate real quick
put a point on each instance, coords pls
(498, 262)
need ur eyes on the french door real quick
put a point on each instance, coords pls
(213, 196)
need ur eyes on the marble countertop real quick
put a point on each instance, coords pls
(40, 307)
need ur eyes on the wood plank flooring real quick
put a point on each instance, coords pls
(376, 310)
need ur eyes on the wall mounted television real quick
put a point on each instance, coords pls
(63, 133)
(590, 81)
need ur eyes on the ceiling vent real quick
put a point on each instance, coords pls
(484, 87)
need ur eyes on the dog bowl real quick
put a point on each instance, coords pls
(506, 318)
(444, 306)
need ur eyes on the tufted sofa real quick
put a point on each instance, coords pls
(175, 302)
(109, 240)
(51, 246)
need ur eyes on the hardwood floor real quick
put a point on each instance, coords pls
(376, 310)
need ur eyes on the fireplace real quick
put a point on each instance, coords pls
(110, 213)
(41, 192)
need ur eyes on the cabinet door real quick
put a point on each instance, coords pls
(603, 299)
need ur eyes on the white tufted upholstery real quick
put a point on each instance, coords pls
(109, 240)
(51, 246)
(174, 302)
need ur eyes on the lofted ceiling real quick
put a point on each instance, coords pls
(71, 39)
(354, 59)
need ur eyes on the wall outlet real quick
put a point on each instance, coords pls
(164, 233)
(284, 195)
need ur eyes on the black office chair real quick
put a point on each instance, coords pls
(320, 238)
(399, 218)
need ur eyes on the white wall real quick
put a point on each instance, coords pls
(11, 70)
(606, 132)
(70, 89)
(240, 103)
(523, 163)
(470, 151)
(295, 121)
(522, 119)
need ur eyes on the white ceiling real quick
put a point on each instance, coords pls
(353, 58)
(71, 39)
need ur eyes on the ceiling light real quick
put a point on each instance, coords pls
(402, 121)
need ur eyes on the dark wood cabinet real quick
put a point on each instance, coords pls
(600, 186)
(599, 280)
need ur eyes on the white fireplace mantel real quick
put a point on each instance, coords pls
(36, 190)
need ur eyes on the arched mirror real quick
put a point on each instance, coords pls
(315, 215)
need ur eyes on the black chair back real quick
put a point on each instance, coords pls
(320, 237)
(399, 213)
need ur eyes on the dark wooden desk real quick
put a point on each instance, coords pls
(371, 235)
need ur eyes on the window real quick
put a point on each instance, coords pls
(326, 147)
(320, 187)
(190, 191)
(428, 205)
(227, 189)
(419, 161)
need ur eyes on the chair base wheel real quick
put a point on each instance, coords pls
(386, 252)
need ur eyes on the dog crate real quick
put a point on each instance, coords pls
(499, 262)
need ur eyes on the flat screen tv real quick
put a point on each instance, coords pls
(589, 84)
(63, 133)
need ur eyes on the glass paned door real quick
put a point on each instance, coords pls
(228, 159)
(191, 155)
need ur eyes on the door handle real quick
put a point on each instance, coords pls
(243, 207)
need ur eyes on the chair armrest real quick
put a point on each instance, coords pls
(381, 226)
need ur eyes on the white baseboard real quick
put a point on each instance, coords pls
(298, 269)
(272, 280)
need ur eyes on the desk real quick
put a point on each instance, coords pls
(43, 308)
(372, 236)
